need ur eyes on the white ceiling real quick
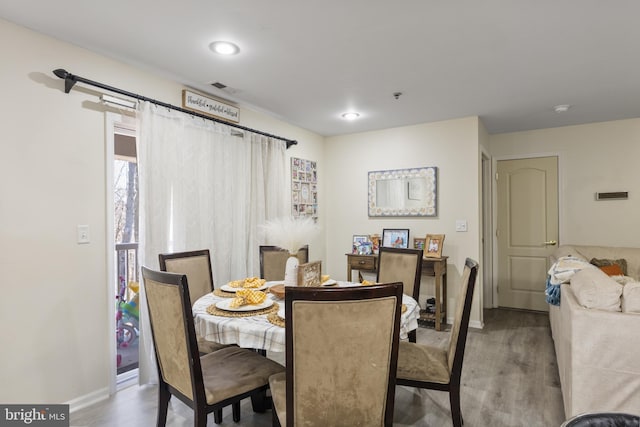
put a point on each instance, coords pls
(306, 62)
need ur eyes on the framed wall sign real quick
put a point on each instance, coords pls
(209, 106)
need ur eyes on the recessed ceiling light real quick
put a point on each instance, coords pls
(224, 48)
(561, 108)
(350, 115)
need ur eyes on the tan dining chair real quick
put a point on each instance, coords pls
(401, 265)
(273, 261)
(197, 266)
(437, 368)
(204, 383)
(341, 351)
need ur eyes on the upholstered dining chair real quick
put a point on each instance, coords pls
(401, 265)
(437, 368)
(341, 350)
(204, 383)
(197, 266)
(273, 261)
(603, 419)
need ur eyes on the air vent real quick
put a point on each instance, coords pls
(616, 195)
(219, 85)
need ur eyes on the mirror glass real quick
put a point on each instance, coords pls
(403, 192)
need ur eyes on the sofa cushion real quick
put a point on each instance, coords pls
(631, 297)
(594, 289)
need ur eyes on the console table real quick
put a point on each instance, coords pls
(434, 267)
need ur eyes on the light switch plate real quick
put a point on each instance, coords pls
(83, 234)
(461, 225)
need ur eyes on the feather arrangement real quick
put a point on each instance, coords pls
(289, 233)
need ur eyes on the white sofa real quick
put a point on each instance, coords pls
(598, 351)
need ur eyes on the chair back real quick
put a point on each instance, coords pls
(273, 261)
(173, 333)
(197, 267)
(341, 355)
(401, 265)
(458, 336)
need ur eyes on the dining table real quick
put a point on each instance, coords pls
(262, 327)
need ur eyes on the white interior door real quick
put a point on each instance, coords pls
(527, 229)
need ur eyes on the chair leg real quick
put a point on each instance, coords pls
(454, 400)
(163, 405)
(199, 417)
(259, 401)
(235, 407)
(413, 336)
(275, 421)
(217, 416)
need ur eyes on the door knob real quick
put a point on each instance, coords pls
(550, 242)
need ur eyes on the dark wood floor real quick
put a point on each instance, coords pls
(510, 378)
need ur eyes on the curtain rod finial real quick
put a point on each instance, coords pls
(60, 72)
(69, 79)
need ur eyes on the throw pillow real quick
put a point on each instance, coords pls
(612, 270)
(631, 298)
(608, 262)
(594, 289)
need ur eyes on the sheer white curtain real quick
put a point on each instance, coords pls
(204, 187)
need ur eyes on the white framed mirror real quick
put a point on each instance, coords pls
(403, 192)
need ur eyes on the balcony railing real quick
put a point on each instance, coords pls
(127, 328)
(127, 263)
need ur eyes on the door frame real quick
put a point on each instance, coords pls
(113, 123)
(486, 173)
(494, 228)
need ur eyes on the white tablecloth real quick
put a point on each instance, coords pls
(257, 332)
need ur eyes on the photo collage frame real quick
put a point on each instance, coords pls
(304, 188)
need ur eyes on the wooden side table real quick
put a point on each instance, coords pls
(361, 263)
(437, 268)
(434, 267)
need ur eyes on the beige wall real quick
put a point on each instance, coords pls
(597, 157)
(452, 146)
(55, 326)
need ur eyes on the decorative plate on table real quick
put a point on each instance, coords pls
(281, 312)
(225, 305)
(329, 282)
(229, 288)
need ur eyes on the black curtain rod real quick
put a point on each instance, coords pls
(71, 79)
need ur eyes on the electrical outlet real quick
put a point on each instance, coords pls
(83, 234)
(461, 225)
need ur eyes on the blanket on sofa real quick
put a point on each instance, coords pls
(561, 272)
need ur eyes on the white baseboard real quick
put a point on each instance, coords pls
(472, 323)
(88, 399)
(476, 324)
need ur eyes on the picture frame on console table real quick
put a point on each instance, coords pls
(395, 237)
(362, 245)
(433, 246)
